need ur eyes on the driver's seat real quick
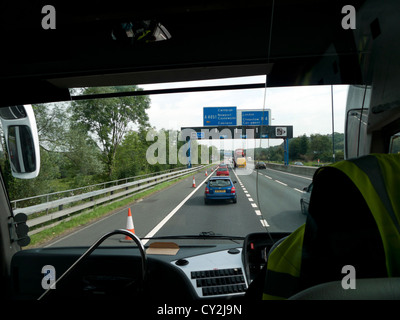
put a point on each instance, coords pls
(366, 289)
(341, 228)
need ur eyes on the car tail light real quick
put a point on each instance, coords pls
(233, 190)
(207, 191)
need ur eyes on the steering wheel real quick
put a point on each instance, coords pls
(275, 245)
(95, 246)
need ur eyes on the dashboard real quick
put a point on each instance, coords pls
(215, 274)
(195, 272)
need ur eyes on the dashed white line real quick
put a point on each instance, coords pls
(291, 174)
(264, 223)
(281, 183)
(284, 184)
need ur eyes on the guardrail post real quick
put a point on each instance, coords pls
(47, 200)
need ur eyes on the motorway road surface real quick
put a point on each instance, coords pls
(266, 200)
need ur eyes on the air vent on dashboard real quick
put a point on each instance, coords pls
(220, 281)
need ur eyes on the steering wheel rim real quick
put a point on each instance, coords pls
(95, 245)
(275, 245)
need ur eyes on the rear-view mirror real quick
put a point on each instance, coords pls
(22, 141)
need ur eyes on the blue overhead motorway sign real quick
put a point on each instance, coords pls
(255, 117)
(219, 116)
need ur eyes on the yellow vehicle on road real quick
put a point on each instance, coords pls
(241, 163)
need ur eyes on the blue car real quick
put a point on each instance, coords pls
(220, 188)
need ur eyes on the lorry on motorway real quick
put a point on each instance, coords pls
(241, 162)
(212, 256)
(239, 154)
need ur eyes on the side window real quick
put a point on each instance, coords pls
(357, 140)
(395, 143)
(356, 133)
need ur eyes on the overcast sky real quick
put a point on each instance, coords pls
(307, 109)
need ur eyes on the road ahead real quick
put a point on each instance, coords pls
(267, 199)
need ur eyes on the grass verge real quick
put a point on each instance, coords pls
(89, 216)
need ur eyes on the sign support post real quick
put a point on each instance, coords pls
(286, 151)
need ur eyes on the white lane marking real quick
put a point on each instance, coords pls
(285, 183)
(292, 174)
(264, 223)
(170, 215)
(281, 183)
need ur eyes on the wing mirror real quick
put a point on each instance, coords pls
(22, 140)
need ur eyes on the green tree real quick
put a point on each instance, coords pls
(130, 159)
(320, 145)
(82, 158)
(298, 147)
(75, 152)
(52, 122)
(42, 184)
(294, 148)
(304, 144)
(275, 153)
(109, 119)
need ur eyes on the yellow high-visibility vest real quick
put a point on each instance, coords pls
(377, 177)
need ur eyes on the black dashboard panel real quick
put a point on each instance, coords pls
(256, 247)
(219, 271)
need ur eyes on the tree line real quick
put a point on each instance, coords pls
(307, 149)
(86, 142)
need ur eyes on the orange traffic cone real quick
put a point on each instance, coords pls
(194, 183)
(129, 226)
(206, 173)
